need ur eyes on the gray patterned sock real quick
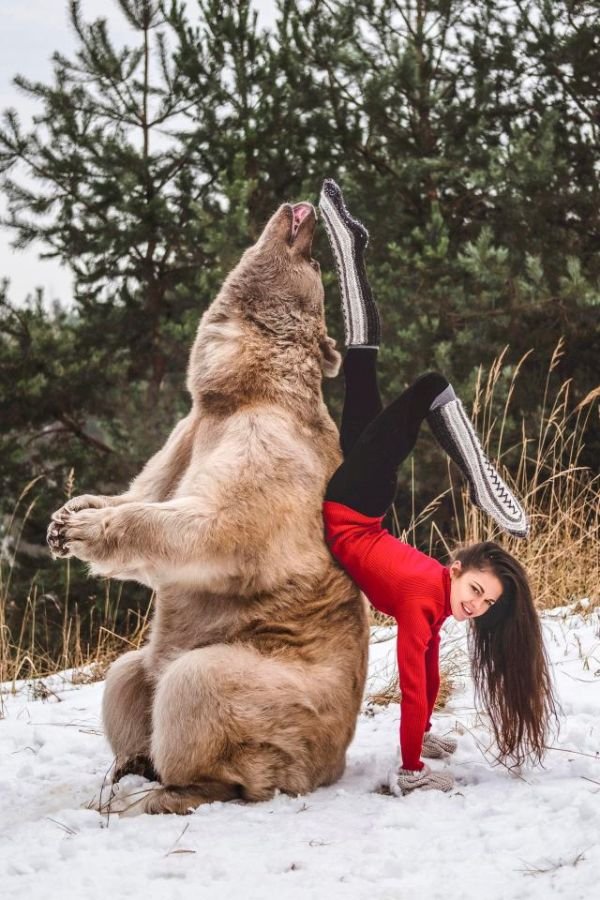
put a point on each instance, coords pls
(454, 432)
(348, 239)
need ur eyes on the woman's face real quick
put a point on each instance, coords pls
(472, 591)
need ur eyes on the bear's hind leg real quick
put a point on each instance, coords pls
(231, 723)
(127, 715)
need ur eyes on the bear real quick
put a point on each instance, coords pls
(252, 678)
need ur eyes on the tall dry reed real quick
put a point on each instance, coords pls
(543, 466)
(88, 638)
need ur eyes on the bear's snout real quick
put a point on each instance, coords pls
(292, 224)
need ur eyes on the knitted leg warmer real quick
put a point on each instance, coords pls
(348, 239)
(456, 435)
(366, 480)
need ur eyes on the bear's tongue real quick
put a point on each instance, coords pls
(300, 210)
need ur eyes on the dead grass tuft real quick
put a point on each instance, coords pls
(543, 466)
(30, 655)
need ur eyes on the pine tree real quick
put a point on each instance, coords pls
(124, 186)
(464, 136)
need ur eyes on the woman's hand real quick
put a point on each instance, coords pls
(437, 747)
(403, 781)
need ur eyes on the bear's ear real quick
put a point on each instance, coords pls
(331, 360)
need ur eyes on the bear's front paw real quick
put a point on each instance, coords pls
(55, 538)
(56, 531)
(85, 534)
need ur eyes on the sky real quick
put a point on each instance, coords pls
(31, 31)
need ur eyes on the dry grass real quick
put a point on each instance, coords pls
(32, 652)
(562, 554)
(390, 693)
(562, 497)
(452, 667)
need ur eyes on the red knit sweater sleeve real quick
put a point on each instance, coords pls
(414, 634)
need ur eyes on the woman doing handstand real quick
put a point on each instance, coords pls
(484, 584)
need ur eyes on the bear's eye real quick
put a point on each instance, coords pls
(315, 265)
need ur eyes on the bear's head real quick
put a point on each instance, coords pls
(269, 315)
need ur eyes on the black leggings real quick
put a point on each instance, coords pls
(376, 442)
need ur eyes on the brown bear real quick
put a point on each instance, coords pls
(253, 675)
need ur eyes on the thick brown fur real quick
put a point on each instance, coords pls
(253, 674)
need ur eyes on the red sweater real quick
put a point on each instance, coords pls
(413, 588)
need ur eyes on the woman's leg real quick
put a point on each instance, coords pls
(366, 480)
(373, 442)
(362, 402)
(454, 432)
(348, 239)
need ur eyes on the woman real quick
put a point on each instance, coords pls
(484, 584)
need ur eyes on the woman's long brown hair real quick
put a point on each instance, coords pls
(510, 666)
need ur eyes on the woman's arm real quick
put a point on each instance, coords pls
(414, 635)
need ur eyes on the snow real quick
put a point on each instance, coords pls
(496, 835)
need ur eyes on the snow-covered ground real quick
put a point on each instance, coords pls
(496, 835)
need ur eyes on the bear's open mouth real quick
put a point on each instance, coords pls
(299, 213)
